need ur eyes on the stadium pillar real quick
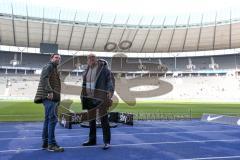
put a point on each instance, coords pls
(175, 63)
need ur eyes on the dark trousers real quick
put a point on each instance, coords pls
(105, 129)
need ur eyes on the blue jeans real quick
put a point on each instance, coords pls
(50, 121)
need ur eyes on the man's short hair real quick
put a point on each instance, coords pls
(52, 55)
(91, 55)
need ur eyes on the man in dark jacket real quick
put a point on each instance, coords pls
(48, 93)
(97, 91)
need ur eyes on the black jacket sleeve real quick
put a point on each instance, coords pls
(110, 81)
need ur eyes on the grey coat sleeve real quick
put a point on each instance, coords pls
(47, 70)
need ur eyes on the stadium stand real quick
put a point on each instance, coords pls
(226, 61)
(213, 88)
(121, 64)
(29, 60)
(2, 88)
(192, 77)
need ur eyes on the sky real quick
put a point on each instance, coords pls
(144, 7)
(149, 9)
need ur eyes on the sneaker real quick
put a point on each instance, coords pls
(89, 143)
(55, 148)
(106, 146)
(44, 146)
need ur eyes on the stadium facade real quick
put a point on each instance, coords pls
(121, 38)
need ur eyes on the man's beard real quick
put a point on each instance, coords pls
(56, 63)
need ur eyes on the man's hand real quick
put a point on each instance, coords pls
(109, 95)
(50, 96)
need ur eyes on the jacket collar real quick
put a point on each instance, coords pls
(99, 70)
(54, 64)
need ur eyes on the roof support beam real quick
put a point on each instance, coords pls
(149, 27)
(200, 33)
(99, 26)
(70, 38)
(43, 26)
(160, 34)
(135, 34)
(27, 27)
(13, 27)
(110, 33)
(230, 30)
(84, 32)
(185, 36)
(125, 27)
(59, 17)
(172, 34)
(214, 32)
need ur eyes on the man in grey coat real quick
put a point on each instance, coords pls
(48, 93)
(97, 91)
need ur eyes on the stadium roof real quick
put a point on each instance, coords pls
(85, 34)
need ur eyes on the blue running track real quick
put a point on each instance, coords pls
(146, 140)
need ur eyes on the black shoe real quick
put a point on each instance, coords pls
(106, 146)
(89, 143)
(44, 146)
(55, 148)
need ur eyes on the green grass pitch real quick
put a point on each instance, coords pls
(28, 111)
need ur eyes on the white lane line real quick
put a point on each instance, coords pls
(121, 134)
(120, 127)
(212, 158)
(120, 145)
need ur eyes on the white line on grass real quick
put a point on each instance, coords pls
(121, 145)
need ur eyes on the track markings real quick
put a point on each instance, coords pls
(129, 144)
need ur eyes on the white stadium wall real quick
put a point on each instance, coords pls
(212, 88)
